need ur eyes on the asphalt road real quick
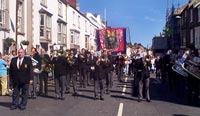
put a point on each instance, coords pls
(119, 102)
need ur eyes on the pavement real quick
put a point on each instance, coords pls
(119, 102)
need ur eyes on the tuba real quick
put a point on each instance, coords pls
(178, 68)
(192, 68)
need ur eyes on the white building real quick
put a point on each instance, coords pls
(95, 24)
(45, 23)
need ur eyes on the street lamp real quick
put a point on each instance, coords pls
(178, 17)
(180, 25)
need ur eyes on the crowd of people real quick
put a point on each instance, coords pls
(30, 73)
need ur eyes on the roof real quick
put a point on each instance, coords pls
(180, 10)
(193, 3)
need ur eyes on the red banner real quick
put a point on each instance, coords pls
(112, 39)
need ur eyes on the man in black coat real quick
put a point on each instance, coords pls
(72, 68)
(100, 76)
(109, 71)
(143, 67)
(91, 65)
(33, 88)
(21, 74)
(60, 72)
(43, 78)
(120, 65)
(82, 67)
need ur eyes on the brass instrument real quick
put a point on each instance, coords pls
(45, 65)
(98, 61)
(178, 68)
(70, 59)
(34, 63)
(192, 68)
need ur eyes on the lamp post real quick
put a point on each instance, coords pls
(148, 45)
(179, 26)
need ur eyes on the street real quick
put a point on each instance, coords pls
(119, 102)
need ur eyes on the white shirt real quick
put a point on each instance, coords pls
(18, 60)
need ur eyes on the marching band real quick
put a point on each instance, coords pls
(97, 70)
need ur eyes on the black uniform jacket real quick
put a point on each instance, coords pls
(21, 75)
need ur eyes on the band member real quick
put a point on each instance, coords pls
(92, 64)
(21, 73)
(82, 67)
(87, 68)
(98, 81)
(72, 63)
(143, 66)
(120, 66)
(109, 68)
(46, 67)
(60, 72)
(158, 67)
(33, 87)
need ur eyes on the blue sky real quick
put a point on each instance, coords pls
(144, 18)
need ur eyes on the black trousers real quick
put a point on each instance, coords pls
(83, 75)
(43, 79)
(16, 95)
(108, 81)
(98, 87)
(71, 76)
(60, 86)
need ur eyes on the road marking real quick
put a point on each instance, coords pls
(124, 88)
(120, 110)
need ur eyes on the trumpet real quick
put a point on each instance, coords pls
(98, 61)
(70, 60)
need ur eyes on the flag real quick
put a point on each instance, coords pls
(12, 25)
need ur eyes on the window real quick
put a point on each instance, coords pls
(183, 38)
(197, 37)
(198, 13)
(74, 38)
(65, 12)
(79, 22)
(61, 33)
(87, 42)
(191, 36)
(2, 12)
(44, 2)
(42, 25)
(73, 18)
(45, 26)
(191, 15)
(86, 30)
(20, 17)
(59, 8)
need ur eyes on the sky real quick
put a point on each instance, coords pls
(144, 19)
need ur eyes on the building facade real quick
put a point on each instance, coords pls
(186, 26)
(45, 24)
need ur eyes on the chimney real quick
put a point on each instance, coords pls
(78, 6)
(73, 3)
